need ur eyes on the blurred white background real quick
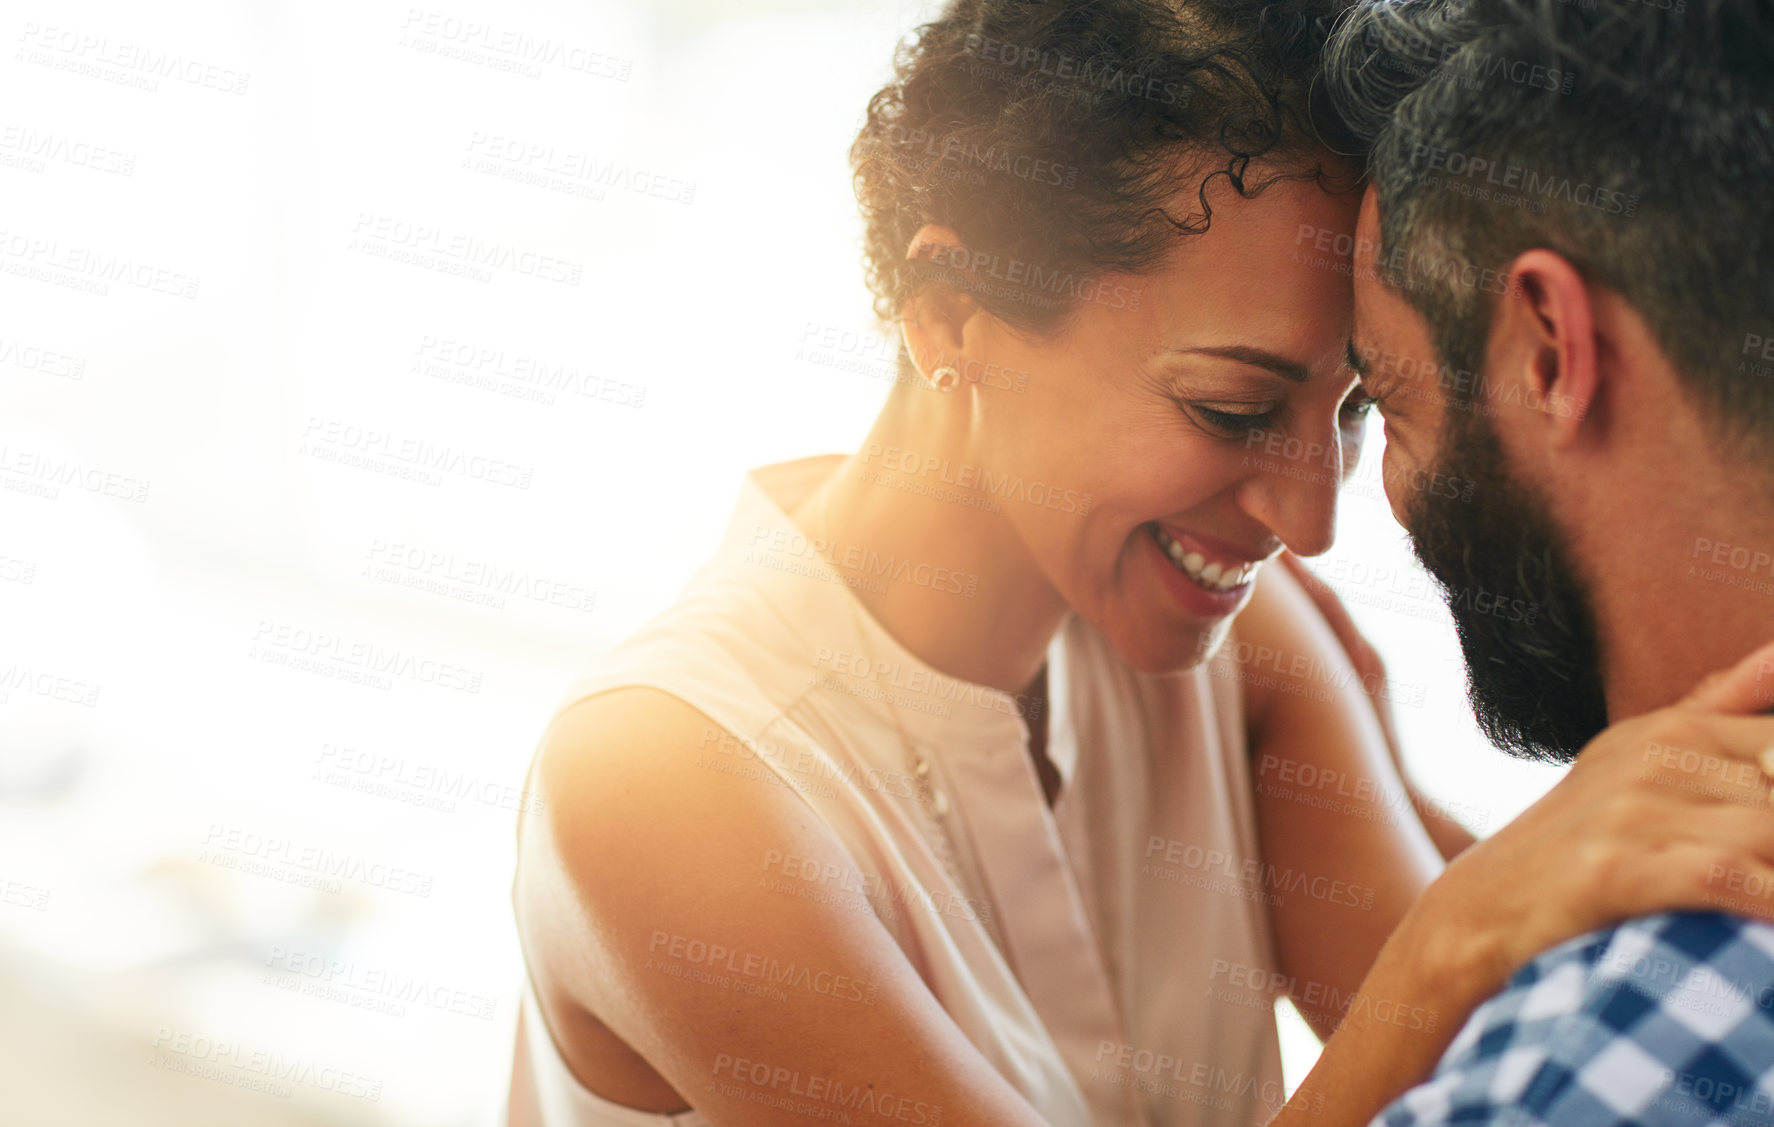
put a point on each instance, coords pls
(362, 379)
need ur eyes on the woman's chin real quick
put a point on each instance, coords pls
(1157, 619)
(1145, 646)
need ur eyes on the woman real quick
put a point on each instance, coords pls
(970, 781)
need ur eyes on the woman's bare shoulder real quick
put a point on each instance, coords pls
(639, 818)
(1272, 637)
(633, 773)
(624, 730)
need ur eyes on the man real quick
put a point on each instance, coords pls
(1565, 293)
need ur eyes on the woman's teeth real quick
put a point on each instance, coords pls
(1212, 576)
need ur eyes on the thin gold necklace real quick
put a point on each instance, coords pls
(933, 801)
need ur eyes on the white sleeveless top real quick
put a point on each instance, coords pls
(1100, 954)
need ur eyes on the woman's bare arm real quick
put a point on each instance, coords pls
(1344, 854)
(645, 875)
(638, 853)
(1450, 837)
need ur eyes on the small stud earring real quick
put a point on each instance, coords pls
(944, 378)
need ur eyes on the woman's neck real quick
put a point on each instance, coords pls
(994, 631)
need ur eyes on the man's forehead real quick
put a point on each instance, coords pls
(1382, 316)
(1367, 230)
(1385, 323)
(1369, 291)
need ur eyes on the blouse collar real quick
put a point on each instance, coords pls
(850, 649)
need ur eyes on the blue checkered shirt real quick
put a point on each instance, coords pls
(1667, 1019)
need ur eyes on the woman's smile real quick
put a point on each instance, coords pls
(1207, 563)
(1190, 587)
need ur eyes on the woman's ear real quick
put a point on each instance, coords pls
(932, 320)
(932, 240)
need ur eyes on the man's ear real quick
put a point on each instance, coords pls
(933, 320)
(1546, 332)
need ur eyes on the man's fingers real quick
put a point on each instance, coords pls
(1745, 687)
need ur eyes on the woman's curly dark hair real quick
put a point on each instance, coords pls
(1048, 134)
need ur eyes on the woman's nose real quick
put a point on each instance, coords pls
(1292, 488)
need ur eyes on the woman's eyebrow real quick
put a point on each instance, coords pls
(1257, 357)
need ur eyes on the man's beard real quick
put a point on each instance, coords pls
(1522, 615)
